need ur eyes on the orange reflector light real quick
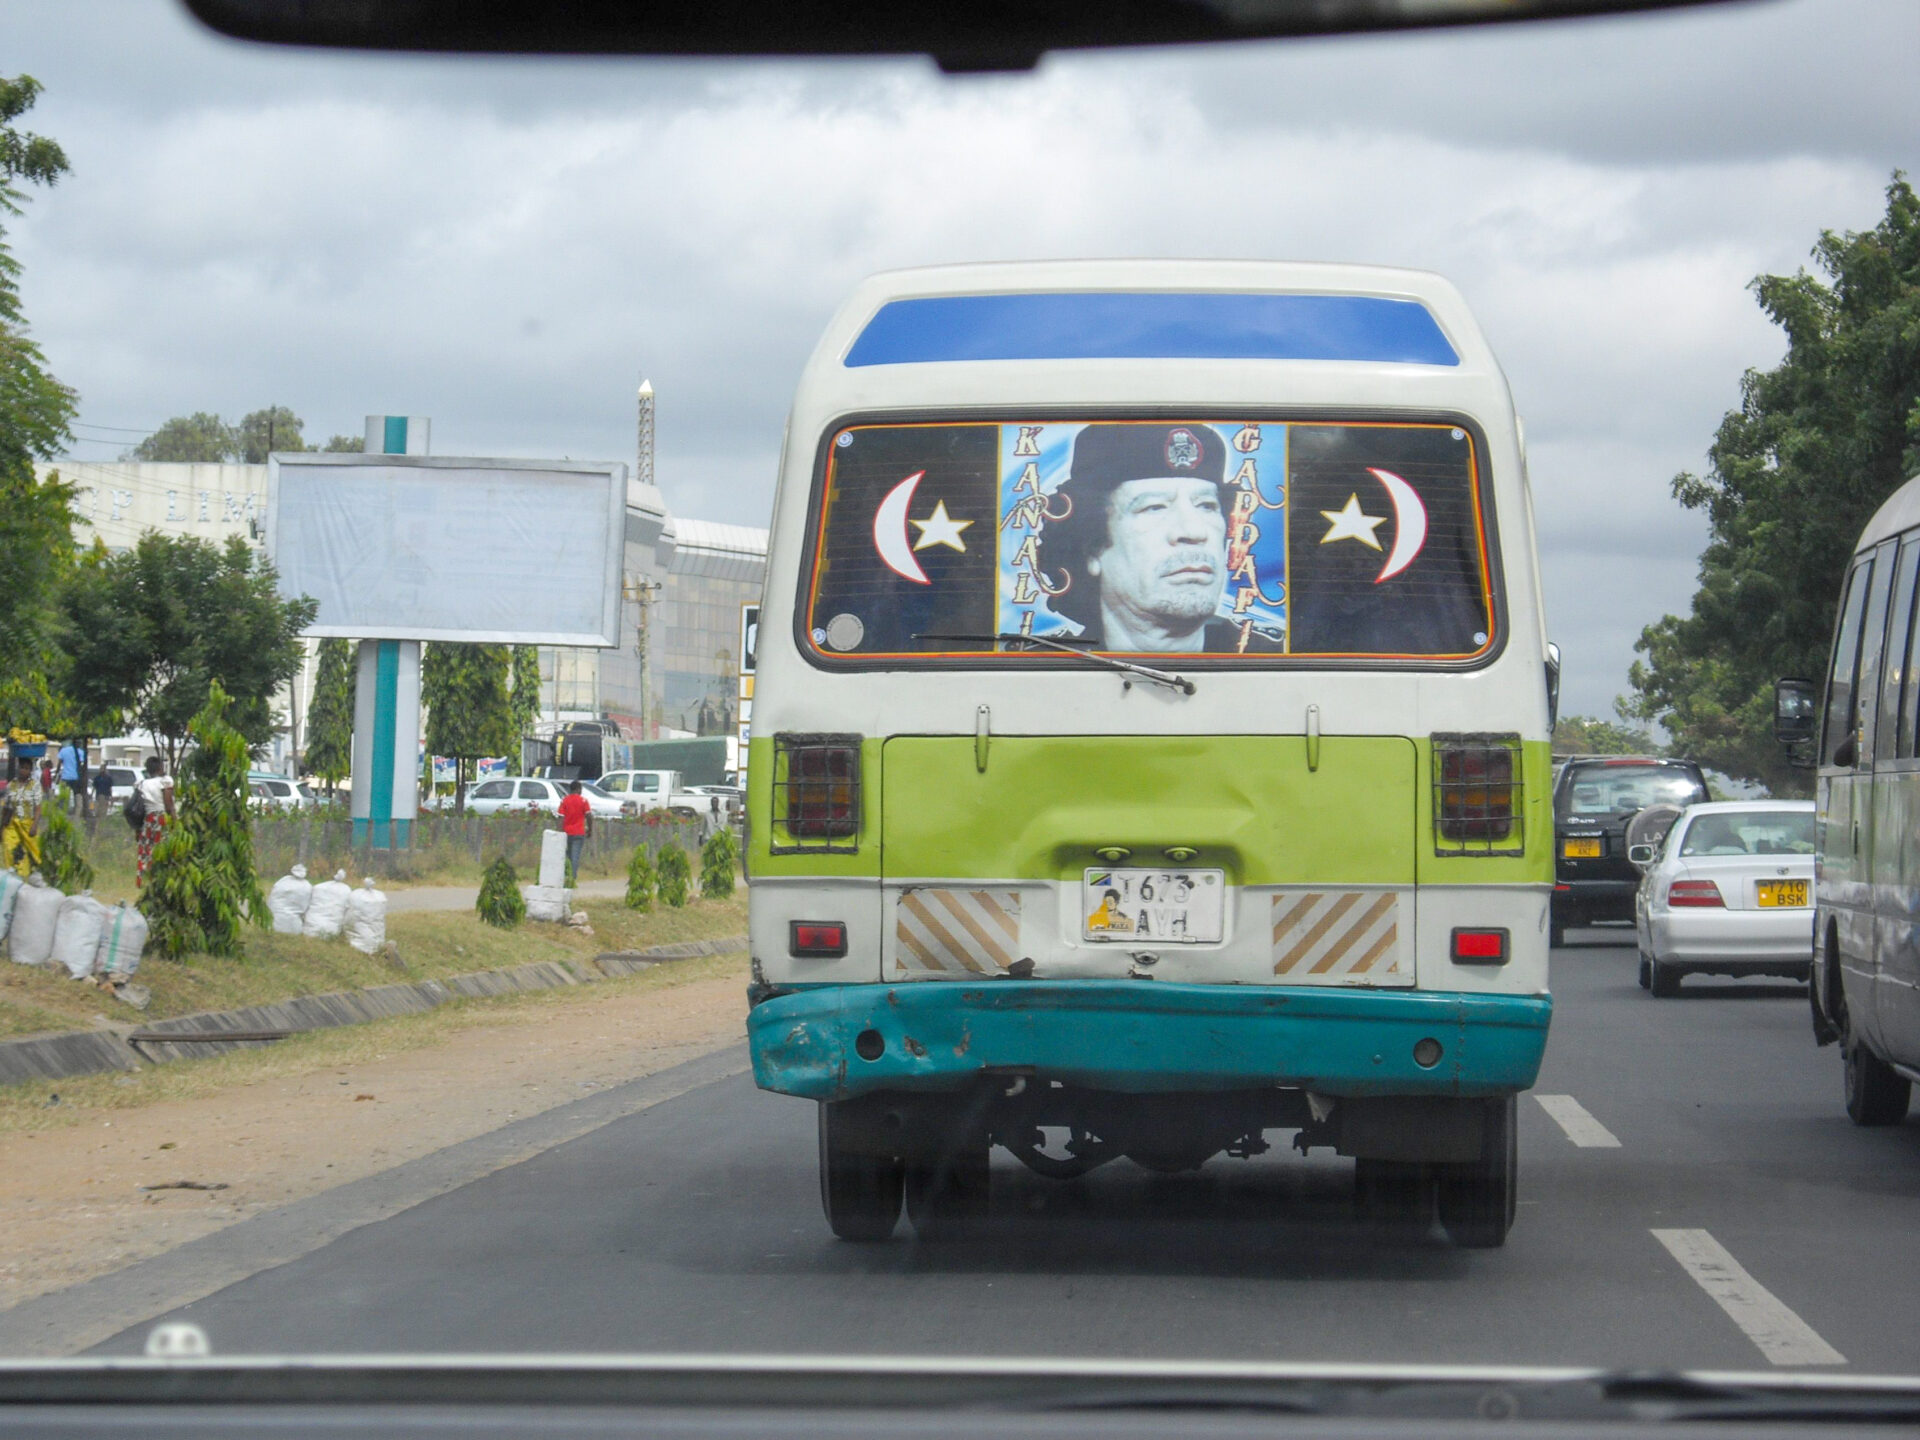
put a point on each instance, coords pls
(817, 939)
(1479, 947)
(1695, 894)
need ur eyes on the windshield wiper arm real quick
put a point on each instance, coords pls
(1123, 667)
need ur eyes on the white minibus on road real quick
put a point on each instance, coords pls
(1150, 743)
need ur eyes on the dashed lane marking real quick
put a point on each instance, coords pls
(1783, 1337)
(1582, 1129)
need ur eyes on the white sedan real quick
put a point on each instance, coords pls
(1729, 891)
(520, 792)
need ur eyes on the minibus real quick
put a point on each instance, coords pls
(1862, 742)
(1150, 745)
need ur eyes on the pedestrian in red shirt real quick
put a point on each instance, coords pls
(576, 821)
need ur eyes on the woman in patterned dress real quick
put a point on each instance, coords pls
(156, 794)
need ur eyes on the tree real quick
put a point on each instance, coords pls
(330, 722)
(201, 438)
(500, 902)
(202, 887)
(1817, 444)
(268, 430)
(523, 703)
(717, 858)
(673, 874)
(152, 631)
(465, 690)
(36, 516)
(1588, 735)
(344, 445)
(640, 879)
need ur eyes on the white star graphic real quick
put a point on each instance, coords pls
(1349, 524)
(940, 529)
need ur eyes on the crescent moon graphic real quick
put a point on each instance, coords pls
(1409, 523)
(890, 531)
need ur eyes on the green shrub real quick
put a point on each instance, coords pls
(640, 880)
(61, 862)
(202, 886)
(501, 902)
(716, 866)
(675, 874)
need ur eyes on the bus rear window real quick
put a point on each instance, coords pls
(1131, 537)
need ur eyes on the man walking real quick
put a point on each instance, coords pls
(102, 798)
(576, 822)
(72, 760)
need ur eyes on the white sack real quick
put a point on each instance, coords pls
(122, 937)
(10, 887)
(327, 909)
(35, 910)
(76, 933)
(287, 901)
(367, 918)
(553, 859)
(547, 902)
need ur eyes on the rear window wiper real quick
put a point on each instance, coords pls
(1123, 667)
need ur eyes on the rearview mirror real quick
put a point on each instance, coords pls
(995, 36)
(1796, 717)
(1641, 855)
(1553, 684)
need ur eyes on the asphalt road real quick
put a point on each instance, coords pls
(1790, 1237)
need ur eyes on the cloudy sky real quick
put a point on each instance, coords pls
(509, 246)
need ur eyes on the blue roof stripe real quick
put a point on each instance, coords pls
(1124, 325)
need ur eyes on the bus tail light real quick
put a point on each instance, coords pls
(1695, 894)
(1477, 793)
(817, 939)
(816, 793)
(1479, 947)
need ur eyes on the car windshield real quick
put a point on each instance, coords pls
(580, 381)
(1750, 832)
(1607, 790)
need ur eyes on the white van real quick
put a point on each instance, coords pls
(1150, 737)
(1864, 741)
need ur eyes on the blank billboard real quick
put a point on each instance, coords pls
(399, 547)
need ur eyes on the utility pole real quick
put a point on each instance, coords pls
(642, 593)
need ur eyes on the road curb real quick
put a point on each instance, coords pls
(96, 1052)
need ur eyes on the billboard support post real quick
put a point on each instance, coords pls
(386, 744)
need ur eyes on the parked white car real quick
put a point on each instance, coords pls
(1729, 891)
(522, 792)
(268, 791)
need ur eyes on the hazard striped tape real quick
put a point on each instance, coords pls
(955, 932)
(1339, 937)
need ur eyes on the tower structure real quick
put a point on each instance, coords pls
(643, 471)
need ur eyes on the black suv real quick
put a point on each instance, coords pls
(1593, 799)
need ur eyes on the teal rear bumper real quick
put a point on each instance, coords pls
(1141, 1037)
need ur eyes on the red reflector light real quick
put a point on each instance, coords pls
(1480, 947)
(817, 939)
(1695, 894)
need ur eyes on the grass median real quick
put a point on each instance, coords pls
(431, 944)
(44, 1105)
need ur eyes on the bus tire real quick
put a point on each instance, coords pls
(947, 1196)
(859, 1191)
(1393, 1196)
(1877, 1094)
(1477, 1199)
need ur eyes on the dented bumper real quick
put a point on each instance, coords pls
(834, 1042)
